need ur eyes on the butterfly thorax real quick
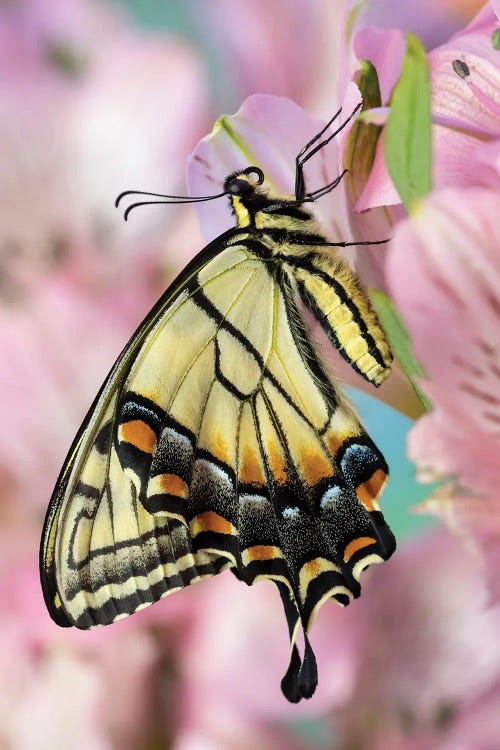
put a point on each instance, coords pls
(285, 226)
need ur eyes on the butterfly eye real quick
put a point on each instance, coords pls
(238, 186)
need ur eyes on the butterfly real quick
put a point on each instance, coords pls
(219, 440)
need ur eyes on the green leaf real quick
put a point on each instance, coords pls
(400, 342)
(408, 143)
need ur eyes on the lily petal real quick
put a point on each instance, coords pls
(267, 131)
(444, 273)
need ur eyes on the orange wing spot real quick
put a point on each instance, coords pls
(219, 448)
(138, 434)
(261, 552)
(335, 440)
(210, 521)
(369, 491)
(315, 466)
(251, 470)
(359, 543)
(277, 463)
(312, 568)
(174, 485)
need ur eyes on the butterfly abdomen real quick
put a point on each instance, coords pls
(332, 292)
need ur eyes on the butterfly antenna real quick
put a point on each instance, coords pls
(169, 199)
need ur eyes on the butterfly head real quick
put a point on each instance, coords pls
(244, 194)
(243, 184)
(242, 187)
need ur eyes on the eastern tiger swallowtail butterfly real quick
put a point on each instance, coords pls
(218, 439)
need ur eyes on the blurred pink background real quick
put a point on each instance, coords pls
(95, 100)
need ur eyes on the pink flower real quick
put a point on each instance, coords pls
(444, 273)
(466, 109)
(255, 135)
(428, 659)
(432, 20)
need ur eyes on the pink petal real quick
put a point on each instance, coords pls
(298, 51)
(488, 160)
(474, 105)
(269, 132)
(432, 20)
(469, 106)
(385, 49)
(445, 275)
(444, 444)
(425, 644)
(473, 102)
(477, 521)
(483, 23)
(379, 189)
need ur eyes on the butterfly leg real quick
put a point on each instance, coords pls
(326, 189)
(305, 154)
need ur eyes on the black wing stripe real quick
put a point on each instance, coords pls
(204, 303)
